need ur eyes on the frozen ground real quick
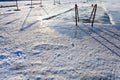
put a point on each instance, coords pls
(43, 43)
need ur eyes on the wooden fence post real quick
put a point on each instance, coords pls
(95, 8)
(17, 6)
(54, 2)
(41, 3)
(76, 14)
(59, 2)
(31, 5)
(92, 12)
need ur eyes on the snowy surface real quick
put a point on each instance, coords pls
(43, 43)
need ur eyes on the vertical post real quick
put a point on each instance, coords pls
(17, 6)
(54, 2)
(59, 2)
(40, 3)
(31, 5)
(76, 14)
(94, 14)
(87, 1)
(91, 5)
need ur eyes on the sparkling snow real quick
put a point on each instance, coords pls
(43, 43)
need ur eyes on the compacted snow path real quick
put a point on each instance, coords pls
(43, 43)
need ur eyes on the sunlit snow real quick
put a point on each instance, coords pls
(43, 43)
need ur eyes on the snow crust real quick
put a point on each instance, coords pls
(43, 43)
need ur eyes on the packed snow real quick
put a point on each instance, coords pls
(43, 43)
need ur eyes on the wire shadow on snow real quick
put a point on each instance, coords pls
(44, 10)
(115, 34)
(107, 40)
(103, 44)
(50, 17)
(21, 29)
(11, 21)
(107, 33)
(5, 15)
(107, 77)
(28, 26)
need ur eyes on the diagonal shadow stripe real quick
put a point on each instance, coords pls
(28, 26)
(25, 19)
(117, 54)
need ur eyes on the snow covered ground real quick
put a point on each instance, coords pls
(43, 43)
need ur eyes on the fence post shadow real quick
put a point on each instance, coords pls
(76, 32)
(100, 42)
(21, 29)
(6, 15)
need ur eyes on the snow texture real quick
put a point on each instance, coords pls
(43, 43)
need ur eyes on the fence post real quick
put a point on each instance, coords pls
(76, 14)
(17, 6)
(41, 3)
(59, 2)
(54, 2)
(94, 14)
(31, 5)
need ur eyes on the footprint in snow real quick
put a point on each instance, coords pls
(18, 53)
(3, 57)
